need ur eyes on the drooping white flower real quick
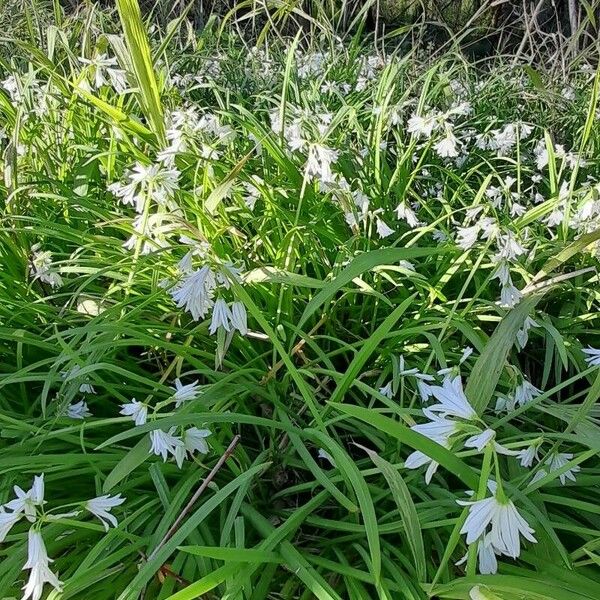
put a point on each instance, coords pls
(183, 393)
(194, 440)
(43, 268)
(239, 317)
(486, 556)
(138, 411)
(383, 229)
(507, 525)
(525, 392)
(26, 502)
(523, 333)
(421, 126)
(528, 455)
(79, 410)
(319, 161)
(447, 146)
(38, 562)
(452, 400)
(592, 356)
(480, 440)
(510, 296)
(84, 388)
(164, 442)
(221, 317)
(508, 247)
(7, 520)
(405, 213)
(101, 507)
(99, 63)
(386, 390)
(502, 272)
(439, 430)
(424, 387)
(195, 292)
(467, 236)
(558, 460)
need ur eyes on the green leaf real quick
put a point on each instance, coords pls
(406, 507)
(136, 40)
(233, 554)
(360, 264)
(415, 440)
(131, 461)
(490, 364)
(367, 349)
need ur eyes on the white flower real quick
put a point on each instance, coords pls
(194, 440)
(221, 317)
(510, 296)
(481, 440)
(326, 456)
(386, 390)
(79, 410)
(319, 161)
(504, 139)
(528, 455)
(101, 507)
(525, 393)
(183, 393)
(452, 400)
(239, 317)
(7, 520)
(446, 147)
(523, 333)
(99, 62)
(557, 461)
(421, 126)
(507, 525)
(42, 267)
(502, 272)
(383, 229)
(439, 430)
(486, 556)
(406, 213)
(26, 502)
(138, 411)
(467, 236)
(195, 292)
(38, 561)
(164, 442)
(508, 247)
(593, 356)
(424, 390)
(403, 371)
(84, 388)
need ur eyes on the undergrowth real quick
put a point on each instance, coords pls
(377, 269)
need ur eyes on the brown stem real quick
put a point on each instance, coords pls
(198, 493)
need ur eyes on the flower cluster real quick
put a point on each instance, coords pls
(30, 505)
(180, 443)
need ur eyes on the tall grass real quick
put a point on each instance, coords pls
(397, 231)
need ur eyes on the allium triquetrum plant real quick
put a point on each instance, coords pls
(379, 271)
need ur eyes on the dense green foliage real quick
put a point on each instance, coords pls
(392, 226)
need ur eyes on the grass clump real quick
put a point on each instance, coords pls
(378, 270)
